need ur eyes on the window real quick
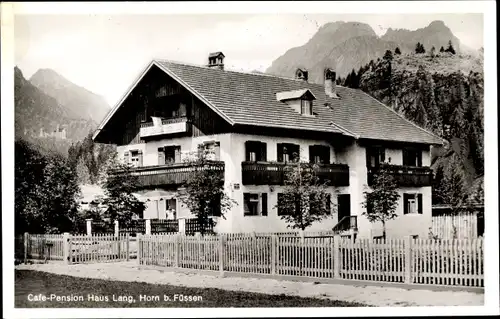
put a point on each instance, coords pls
(255, 204)
(412, 203)
(288, 152)
(374, 156)
(319, 154)
(306, 107)
(211, 149)
(412, 157)
(281, 198)
(315, 203)
(255, 151)
(136, 158)
(169, 155)
(171, 208)
(214, 206)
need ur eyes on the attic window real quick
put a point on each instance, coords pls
(306, 107)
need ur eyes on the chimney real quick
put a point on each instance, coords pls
(330, 85)
(216, 60)
(301, 74)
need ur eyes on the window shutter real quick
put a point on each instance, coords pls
(382, 154)
(201, 149)
(246, 198)
(217, 151)
(247, 150)
(328, 203)
(295, 155)
(405, 157)
(280, 152)
(405, 204)
(140, 158)
(280, 200)
(161, 156)
(419, 158)
(126, 157)
(263, 153)
(419, 203)
(312, 150)
(177, 154)
(264, 204)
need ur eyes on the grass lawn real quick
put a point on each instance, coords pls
(71, 290)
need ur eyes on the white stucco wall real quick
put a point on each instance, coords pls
(403, 225)
(232, 152)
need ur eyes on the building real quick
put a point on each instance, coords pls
(255, 123)
(58, 133)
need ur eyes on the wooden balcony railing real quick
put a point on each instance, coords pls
(408, 176)
(172, 174)
(168, 126)
(273, 173)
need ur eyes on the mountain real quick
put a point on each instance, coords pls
(443, 93)
(78, 100)
(349, 45)
(436, 34)
(36, 111)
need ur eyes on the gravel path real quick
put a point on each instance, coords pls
(376, 296)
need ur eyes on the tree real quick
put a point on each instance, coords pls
(82, 172)
(46, 191)
(304, 199)
(203, 192)
(441, 50)
(93, 155)
(433, 51)
(450, 48)
(388, 55)
(419, 48)
(397, 51)
(119, 200)
(381, 202)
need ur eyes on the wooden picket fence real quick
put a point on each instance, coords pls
(460, 226)
(44, 247)
(98, 248)
(75, 248)
(406, 260)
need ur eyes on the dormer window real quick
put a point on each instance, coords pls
(305, 107)
(299, 100)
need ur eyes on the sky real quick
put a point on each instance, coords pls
(105, 53)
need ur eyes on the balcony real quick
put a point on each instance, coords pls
(167, 126)
(406, 176)
(172, 174)
(267, 173)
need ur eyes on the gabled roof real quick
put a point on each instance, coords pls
(250, 99)
(290, 95)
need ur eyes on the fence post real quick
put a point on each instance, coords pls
(408, 260)
(117, 228)
(336, 256)
(274, 244)
(148, 226)
(89, 226)
(177, 243)
(221, 254)
(182, 225)
(26, 246)
(67, 248)
(139, 248)
(127, 245)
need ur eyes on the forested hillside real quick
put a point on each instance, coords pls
(442, 92)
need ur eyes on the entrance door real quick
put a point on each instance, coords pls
(344, 205)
